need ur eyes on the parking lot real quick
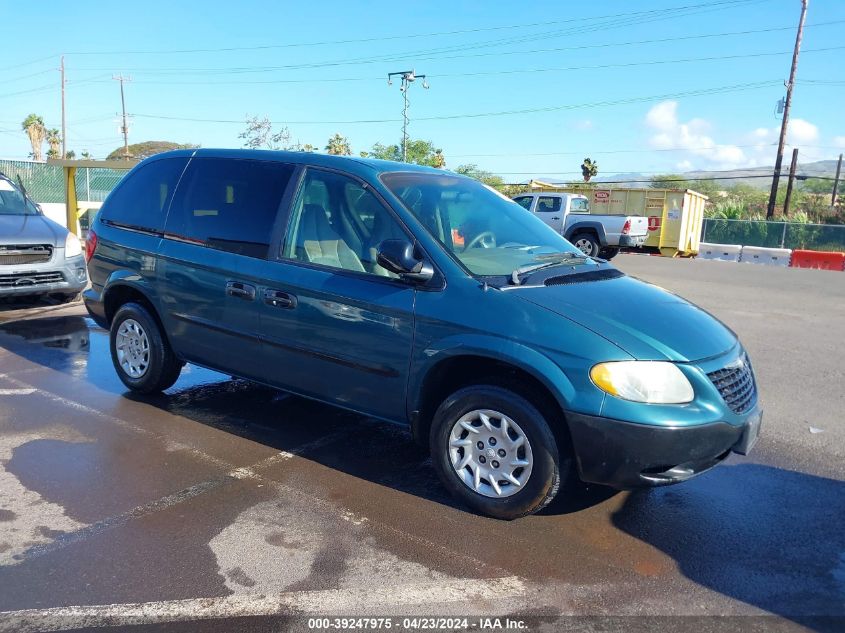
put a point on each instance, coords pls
(222, 499)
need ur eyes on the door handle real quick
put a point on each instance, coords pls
(240, 290)
(555, 218)
(279, 299)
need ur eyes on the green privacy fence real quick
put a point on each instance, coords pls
(45, 183)
(813, 237)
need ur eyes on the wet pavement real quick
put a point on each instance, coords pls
(222, 499)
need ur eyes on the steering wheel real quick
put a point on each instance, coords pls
(486, 239)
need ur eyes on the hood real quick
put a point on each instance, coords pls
(30, 229)
(647, 322)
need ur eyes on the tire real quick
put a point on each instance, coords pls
(609, 253)
(539, 483)
(148, 365)
(587, 243)
(61, 297)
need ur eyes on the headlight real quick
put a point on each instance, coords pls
(643, 381)
(73, 246)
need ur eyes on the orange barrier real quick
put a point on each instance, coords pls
(824, 260)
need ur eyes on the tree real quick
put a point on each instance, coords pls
(54, 140)
(147, 148)
(259, 134)
(419, 153)
(473, 171)
(70, 155)
(669, 181)
(589, 169)
(33, 125)
(86, 154)
(338, 145)
(308, 148)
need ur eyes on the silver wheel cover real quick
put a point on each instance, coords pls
(490, 453)
(133, 348)
(585, 246)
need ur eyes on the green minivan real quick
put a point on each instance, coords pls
(421, 297)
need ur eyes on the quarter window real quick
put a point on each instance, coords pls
(230, 205)
(338, 222)
(142, 199)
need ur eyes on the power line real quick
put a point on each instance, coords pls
(652, 12)
(497, 72)
(674, 95)
(395, 57)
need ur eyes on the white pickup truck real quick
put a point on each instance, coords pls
(596, 235)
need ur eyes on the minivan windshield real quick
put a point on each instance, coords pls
(490, 234)
(13, 202)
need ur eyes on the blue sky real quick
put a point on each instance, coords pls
(607, 81)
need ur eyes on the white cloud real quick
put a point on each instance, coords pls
(671, 133)
(800, 131)
(584, 124)
(839, 141)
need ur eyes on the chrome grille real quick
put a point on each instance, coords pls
(736, 385)
(11, 254)
(25, 280)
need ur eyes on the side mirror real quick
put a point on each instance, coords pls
(399, 257)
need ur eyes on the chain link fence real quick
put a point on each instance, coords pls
(45, 183)
(813, 237)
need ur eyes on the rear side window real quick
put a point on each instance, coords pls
(142, 199)
(229, 204)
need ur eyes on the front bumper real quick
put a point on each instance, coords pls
(625, 455)
(66, 276)
(632, 241)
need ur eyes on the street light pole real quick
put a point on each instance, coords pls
(770, 211)
(407, 77)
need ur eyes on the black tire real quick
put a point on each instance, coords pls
(162, 368)
(587, 240)
(62, 297)
(546, 473)
(609, 253)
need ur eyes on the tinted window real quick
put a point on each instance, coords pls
(142, 199)
(548, 204)
(228, 204)
(338, 222)
(524, 201)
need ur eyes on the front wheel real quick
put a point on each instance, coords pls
(494, 451)
(141, 354)
(587, 243)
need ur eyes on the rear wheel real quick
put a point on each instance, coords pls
(141, 355)
(609, 253)
(587, 243)
(494, 451)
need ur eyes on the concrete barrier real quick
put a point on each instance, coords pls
(822, 260)
(720, 252)
(768, 256)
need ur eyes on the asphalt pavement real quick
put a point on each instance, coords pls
(222, 505)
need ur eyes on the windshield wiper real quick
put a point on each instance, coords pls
(555, 260)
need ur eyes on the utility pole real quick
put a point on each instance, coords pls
(792, 166)
(408, 77)
(770, 211)
(64, 125)
(124, 128)
(836, 182)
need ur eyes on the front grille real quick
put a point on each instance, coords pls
(25, 280)
(736, 384)
(25, 254)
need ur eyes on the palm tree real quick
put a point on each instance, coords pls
(33, 125)
(589, 169)
(338, 145)
(54, 140)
